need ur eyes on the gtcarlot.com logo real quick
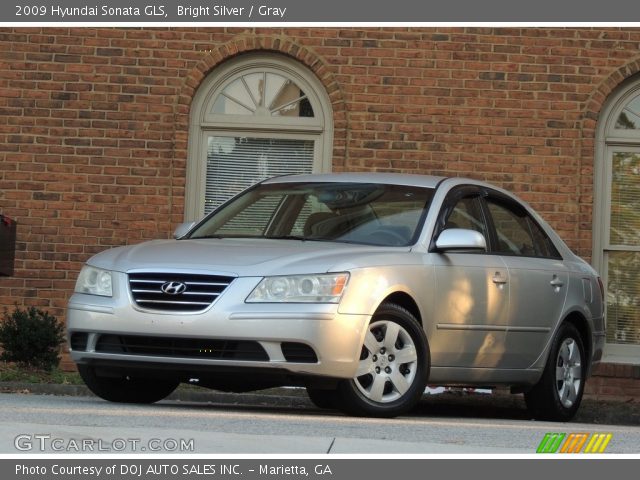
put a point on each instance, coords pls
(574, 443)
(47, 443)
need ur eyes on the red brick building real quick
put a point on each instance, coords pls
(114, 136)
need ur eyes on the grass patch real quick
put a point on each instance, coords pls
(10, 372)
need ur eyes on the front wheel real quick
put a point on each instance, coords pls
(126, 389)
(558, 394)
(393, 369)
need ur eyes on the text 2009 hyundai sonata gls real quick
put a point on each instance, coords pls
(361, 287)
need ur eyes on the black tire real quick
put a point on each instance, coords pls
(126, 389)
(376, 394)
(558, 393)
(324, 399)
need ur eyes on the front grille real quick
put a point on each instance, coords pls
(176, 292)
(182, 347)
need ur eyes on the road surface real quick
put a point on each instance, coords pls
(51, 424)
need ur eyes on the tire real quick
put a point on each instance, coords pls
(126, 389)
(324, 399)
(394, 367)
(558, 394)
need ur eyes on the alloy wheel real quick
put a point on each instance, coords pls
(568, 372)
(388, 362)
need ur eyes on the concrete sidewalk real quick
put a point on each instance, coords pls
(234, 443)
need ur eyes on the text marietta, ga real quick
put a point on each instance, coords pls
(154, 11)
(136, 470)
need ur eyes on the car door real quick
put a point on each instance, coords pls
(537, 276)
(471, 292)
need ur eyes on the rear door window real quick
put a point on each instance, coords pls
(517, 233)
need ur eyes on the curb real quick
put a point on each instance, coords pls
(458, 405)
(45, 389)
(283, 397)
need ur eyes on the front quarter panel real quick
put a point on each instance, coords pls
(369, 287)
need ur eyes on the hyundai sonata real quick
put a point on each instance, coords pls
(363, 288)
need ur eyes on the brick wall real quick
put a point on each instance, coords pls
(612, 381)
(94, 122)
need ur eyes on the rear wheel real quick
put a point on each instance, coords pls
(126, 389)
(393, 369)
(558, 394)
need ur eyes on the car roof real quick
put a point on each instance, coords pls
(427, 181)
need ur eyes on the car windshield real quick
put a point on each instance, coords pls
(363, 213)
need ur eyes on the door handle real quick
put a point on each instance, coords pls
(499, 279)
(556, 282)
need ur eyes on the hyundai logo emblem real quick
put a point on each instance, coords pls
(173, 288)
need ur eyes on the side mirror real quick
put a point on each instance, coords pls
(183, 229)
(460, 239)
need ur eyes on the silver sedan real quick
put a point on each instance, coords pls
(363, 288)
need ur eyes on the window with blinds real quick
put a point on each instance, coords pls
(236, 163)
(616, 226)
(624, 226)
(256, 116)
(623, 263)
(253, 220)
(623, 297)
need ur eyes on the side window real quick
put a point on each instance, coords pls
(517, 233)
(544, 245)
(467, 213)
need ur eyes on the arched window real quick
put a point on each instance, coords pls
(255, 117)
(617, 219)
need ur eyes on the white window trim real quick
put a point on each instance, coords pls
(202, 124)
(609, 140)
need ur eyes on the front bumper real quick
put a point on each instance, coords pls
(335, 338)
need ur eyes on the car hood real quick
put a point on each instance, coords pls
(246, 257)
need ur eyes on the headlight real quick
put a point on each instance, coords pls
(300, 288)
(94, 281)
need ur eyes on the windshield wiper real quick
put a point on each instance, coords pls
(223, 236)
(288, 237)
(300, 237)
(270, 237)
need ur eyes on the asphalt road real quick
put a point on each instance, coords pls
(50, 424)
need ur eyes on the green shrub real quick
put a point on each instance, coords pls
(31, 338)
